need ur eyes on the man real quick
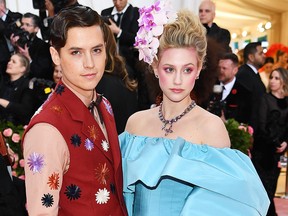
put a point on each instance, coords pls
(249, 77)
(71, 148)
(7, 18)
(123, 22)
(207, 15)
(51, 9)
(232, 101)
(35, 49)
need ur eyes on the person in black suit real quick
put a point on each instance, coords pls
(249, 77)
(123, 22)
(12, 190)
(270, 140)
(17, 101)
(230, 102)
(123, 97)
(7, 18)
(36, 50)
(220, 35)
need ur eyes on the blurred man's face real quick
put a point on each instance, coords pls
(120, 4)
(227, 71)
(207, 12)
(28, 25)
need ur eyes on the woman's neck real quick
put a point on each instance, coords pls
(14, 77)
(278, 94)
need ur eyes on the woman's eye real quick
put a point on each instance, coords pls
(188, 70)
(97, 50)
(168, 70)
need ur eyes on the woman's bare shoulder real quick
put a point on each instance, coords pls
(139, 120)
(213, 129)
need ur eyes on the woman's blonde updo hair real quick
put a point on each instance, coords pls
(186, 31)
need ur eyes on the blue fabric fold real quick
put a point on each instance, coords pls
(221, 180)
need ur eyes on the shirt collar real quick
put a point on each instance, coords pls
(253, 68)
(5, 15)
(114, 11)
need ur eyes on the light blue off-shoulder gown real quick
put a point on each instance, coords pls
(166, 177)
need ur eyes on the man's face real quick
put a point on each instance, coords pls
(258, 59)
(227, 70)
(28, 25)
(82, 59)
(120, 4)
(206, 12)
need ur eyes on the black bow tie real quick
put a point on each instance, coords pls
(94, 104)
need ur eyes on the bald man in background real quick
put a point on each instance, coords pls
(207, 15)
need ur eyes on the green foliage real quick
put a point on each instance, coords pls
(240, 135)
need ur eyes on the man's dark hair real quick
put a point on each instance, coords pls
(269, 60)
(35, 19)
(233, 57)
(70, 17)
(250, 48)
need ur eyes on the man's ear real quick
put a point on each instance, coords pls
(55, 56)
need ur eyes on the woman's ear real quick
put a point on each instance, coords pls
(155, 68)
(55, 56)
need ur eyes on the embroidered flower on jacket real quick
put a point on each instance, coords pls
(53, 181)
(102, 196)
(57, 109)
(73, 192)
(93, 132)
(102, 173)
(108, 106)
(35, 162)
(59, 89)
(105, 145)
(89, 145)
(76, 140)
(47, 200)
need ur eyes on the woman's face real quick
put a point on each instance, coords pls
(57, 73)
(275, 82)
(14, 66)
(177, 70)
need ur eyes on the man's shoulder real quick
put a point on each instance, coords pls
(107, 11)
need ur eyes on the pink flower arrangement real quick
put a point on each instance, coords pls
(8, 132)
(12, 135)
(151, 26)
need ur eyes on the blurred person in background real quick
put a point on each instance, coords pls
(7, 20)
(266, 70)
(17, 101)
(271, 138)
(207, 15)
(249, 77)
(34, 48)
(118, 87)
(281, 59)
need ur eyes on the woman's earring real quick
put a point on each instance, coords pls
(156, 76)
(197, 78)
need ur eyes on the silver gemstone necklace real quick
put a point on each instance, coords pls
(167, 124)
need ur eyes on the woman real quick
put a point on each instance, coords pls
(272, 135)
(17, 101)
(123, 98)
(266, 71)
(176, 157)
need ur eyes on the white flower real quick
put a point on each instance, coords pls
(102, 196)
(105, 145)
